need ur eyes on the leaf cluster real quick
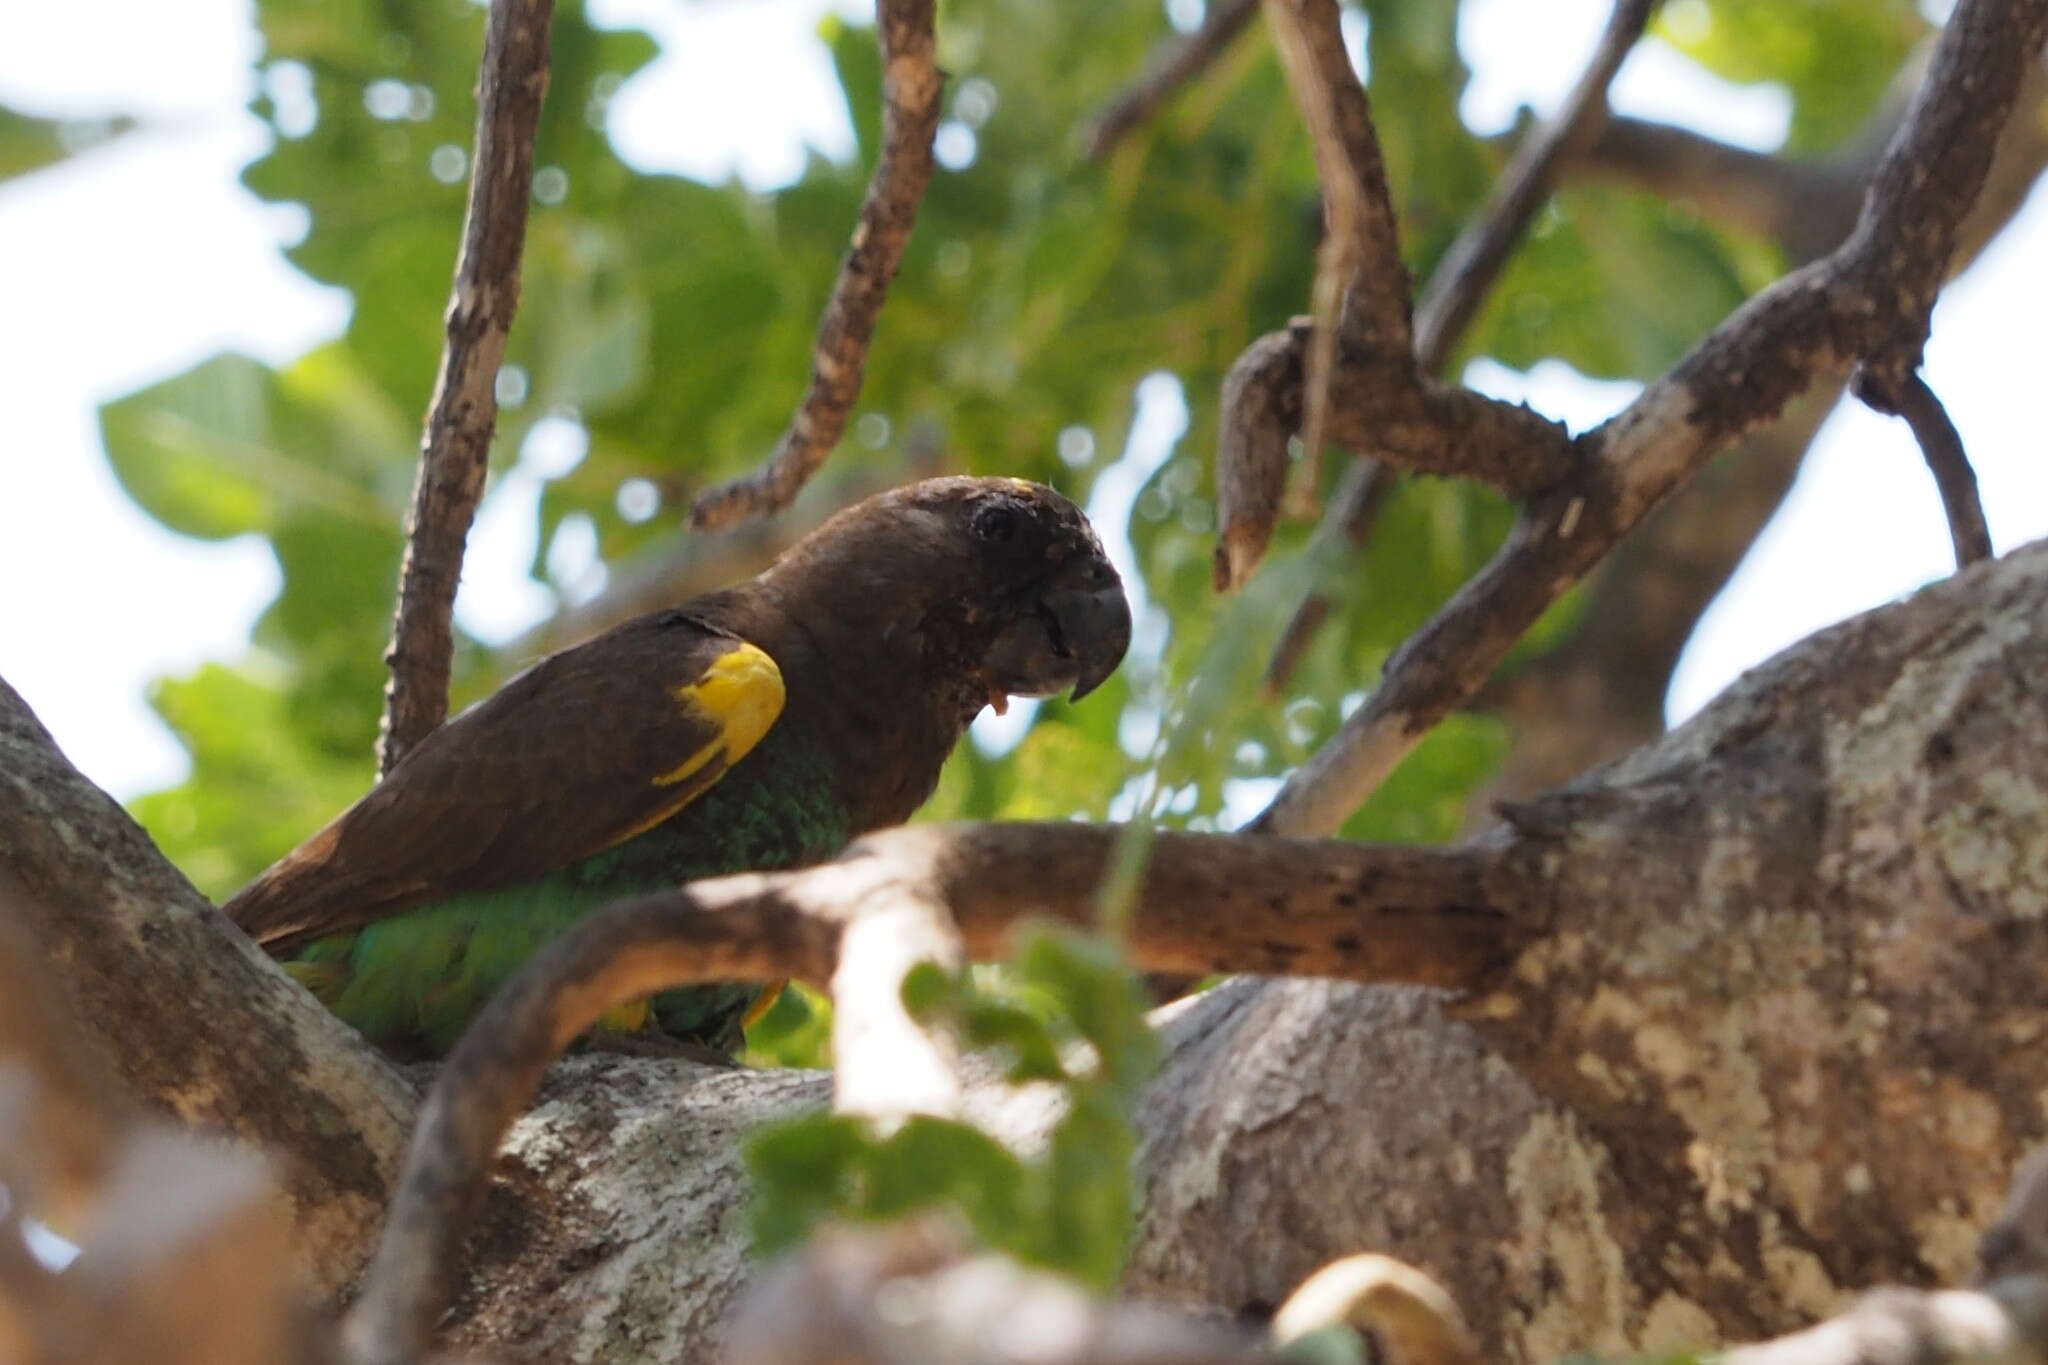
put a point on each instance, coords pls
(1066, 1013)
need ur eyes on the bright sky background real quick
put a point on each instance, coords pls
(136, 260)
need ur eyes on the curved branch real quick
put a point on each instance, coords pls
(911, 86)
(1444, 917)
(1464, 274)
(1941, 445)
(1361, 286)
(1809, 327)
(464, 411)
(225, 1041)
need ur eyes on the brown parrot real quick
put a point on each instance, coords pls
(761, 726)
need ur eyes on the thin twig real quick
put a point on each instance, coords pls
(1941, 445)
(1447, 917)
(1354, 509)
(1810, 326)
(1361, 287)
(911, 86)
(1468, 270)
(1177, 65)
(464, 412)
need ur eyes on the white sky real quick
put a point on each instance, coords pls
(134, 261)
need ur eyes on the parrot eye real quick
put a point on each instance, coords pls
(996, 524)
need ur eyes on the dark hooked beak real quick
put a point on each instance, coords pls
(1075, 637)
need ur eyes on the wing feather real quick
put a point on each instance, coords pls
(582, 751)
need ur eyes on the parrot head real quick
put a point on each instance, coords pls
(1003, 579)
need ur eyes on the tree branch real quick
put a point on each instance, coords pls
(464, 412)
(183, 1255)
(1602, 692)
(1181, 62)
(1445, 917)
(1941, 445)
(1464, 274)
(225, 1041)
(1365, 383)
(911, 86)
(1809, 326)
(1361, 288)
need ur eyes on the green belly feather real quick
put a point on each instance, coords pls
(412, 983)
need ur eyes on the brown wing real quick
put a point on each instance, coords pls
(585, 749)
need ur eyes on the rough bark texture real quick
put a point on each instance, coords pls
(1788, 999)
(194, 1017)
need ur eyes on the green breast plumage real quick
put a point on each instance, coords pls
(412, 982)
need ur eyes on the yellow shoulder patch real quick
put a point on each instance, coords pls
(743, 690)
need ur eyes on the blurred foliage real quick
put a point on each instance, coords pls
(28, 143)
(1835, 57)
(1065, 1013)
(665, 332)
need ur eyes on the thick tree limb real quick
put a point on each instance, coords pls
(1812, 325)
(464, 412)
(1207, 903)
(1941, 445)
(911, 86)
(197, 1019)
(1179, 63)
(183, 1255)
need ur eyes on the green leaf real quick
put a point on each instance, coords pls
(1835, 57)
(803, 1170)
